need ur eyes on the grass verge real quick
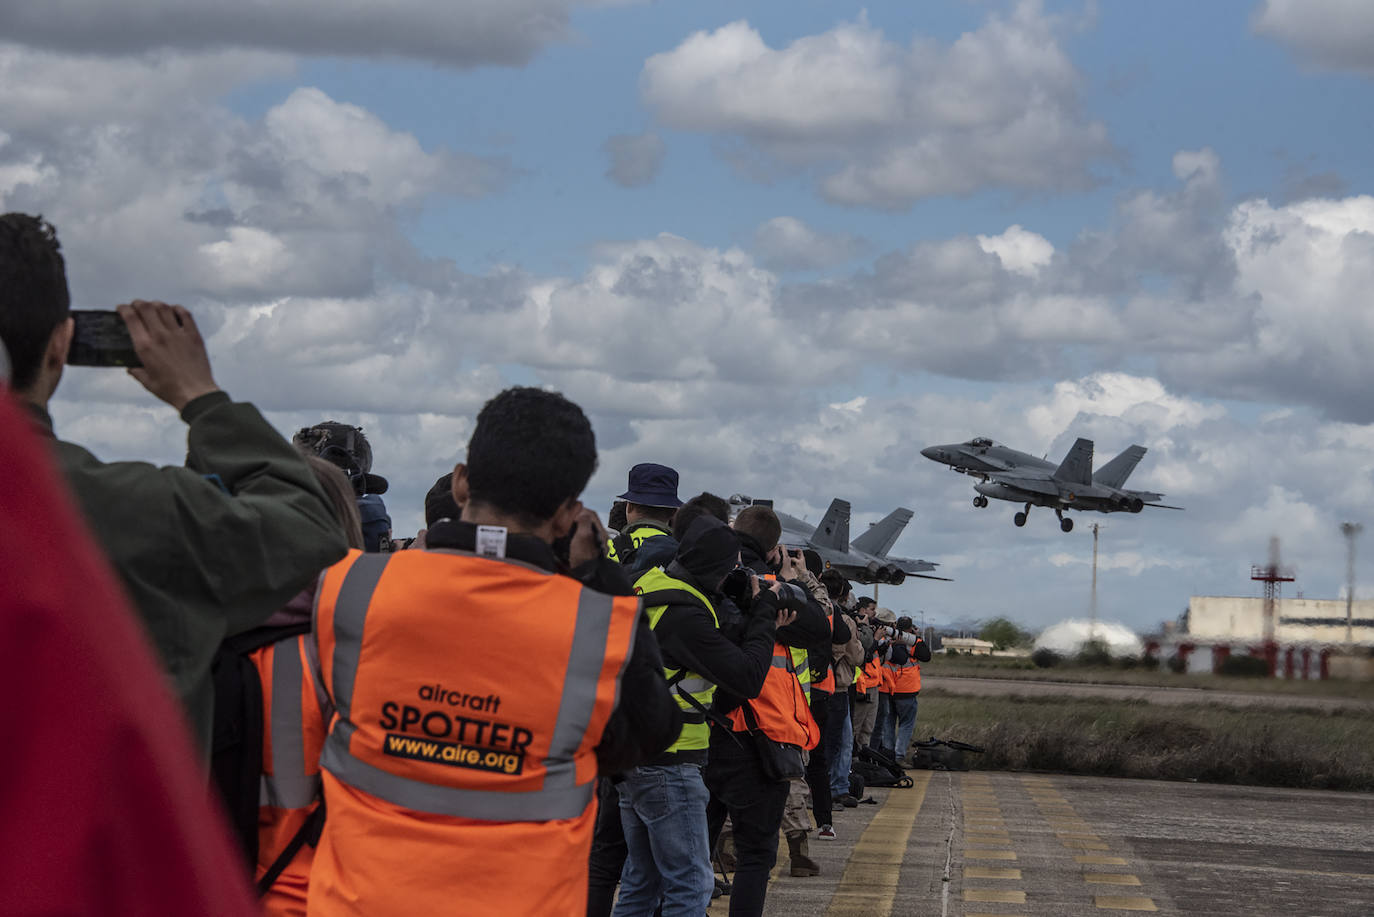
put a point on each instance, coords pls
(1019, 669)
(1331, 750)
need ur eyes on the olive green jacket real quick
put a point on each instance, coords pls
(210, 549)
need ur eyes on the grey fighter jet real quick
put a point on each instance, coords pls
(1006, 474)
(865, 560)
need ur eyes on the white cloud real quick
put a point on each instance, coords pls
(888, 125)
(1141, 403)
(1338, 34)
(635, 158)
(1020, 250)
(787, 243)
(468, 34)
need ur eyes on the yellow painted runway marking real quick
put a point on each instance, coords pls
(994, 896)
(991, 872)
(1110, 878)
(982, 853)
(1124, 903)
(1096, 859)
(991, 837)
(868, 886)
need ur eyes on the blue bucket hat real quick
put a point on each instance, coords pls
(652, 485)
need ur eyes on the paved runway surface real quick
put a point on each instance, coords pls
(1001, 687)
(965, 845)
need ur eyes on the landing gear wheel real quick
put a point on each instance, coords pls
(1019, 519)
(980, 501)
(1066, 525)
(905, 783)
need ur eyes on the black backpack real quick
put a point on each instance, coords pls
(236, 756)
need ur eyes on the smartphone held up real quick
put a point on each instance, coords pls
(101, 338)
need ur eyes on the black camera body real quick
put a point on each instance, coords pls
(736, 588)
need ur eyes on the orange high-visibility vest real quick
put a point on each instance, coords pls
(827, 683)
(885, 684)
(295, 714)
(906, 678)
(781, 708)
(869, 675)
(455, 783)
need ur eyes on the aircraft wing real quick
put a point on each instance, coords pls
(911, 567)
(1035, 485)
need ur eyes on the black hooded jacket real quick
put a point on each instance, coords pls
(690, 639)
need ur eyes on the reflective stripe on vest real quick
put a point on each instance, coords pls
(696, 732)
(906, 676)
(801, 665)
(290, 785)
(559, 794)
(781, 709)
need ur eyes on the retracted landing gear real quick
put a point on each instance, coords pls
(1020, 518)
(980, 501)
(1065, 525)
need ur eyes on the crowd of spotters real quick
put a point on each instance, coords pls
(229, 672)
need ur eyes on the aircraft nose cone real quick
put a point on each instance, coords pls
(931, 452)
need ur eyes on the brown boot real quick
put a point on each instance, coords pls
(802, 865)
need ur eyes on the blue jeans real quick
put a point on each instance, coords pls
(841, 743)
(904, 710)
(884, 730)
(663, 810)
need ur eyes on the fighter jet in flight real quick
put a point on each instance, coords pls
(1006, 474)
(865, 560)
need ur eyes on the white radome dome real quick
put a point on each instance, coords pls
(1068, 636)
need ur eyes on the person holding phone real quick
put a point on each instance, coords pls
(205, 550)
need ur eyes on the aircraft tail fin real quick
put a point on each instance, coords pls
(1077, 467)
(833, 531)
(1115, 472)
(882, 535)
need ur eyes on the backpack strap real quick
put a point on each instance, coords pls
(309, 833)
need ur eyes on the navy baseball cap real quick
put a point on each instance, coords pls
(652, 485)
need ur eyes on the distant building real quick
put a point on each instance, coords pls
(970, 645)
(1308, 621)
(1309, 636)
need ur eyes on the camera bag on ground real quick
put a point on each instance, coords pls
(236, 757)
(938, 755)
(879, 768)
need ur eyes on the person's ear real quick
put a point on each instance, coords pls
(565, 517)
(459, 485)
(59, 344)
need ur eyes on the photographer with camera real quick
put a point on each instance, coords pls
(207, 550)
(845, 657)
(867, 677)
(901, 651)
(741, 783)
(663, 801)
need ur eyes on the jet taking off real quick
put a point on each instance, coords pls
(1006, 474)
(865, 560)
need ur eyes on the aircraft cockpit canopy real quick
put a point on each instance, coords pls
(979, 442)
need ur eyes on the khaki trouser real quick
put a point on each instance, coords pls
(865, 716)
(796, 816)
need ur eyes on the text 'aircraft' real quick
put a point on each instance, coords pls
(1019, 477)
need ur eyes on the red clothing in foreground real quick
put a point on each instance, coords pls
(103, 809)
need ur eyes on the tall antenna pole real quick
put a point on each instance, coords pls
(1351, 531)
(1092, 608)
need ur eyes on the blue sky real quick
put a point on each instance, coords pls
(836, 234)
